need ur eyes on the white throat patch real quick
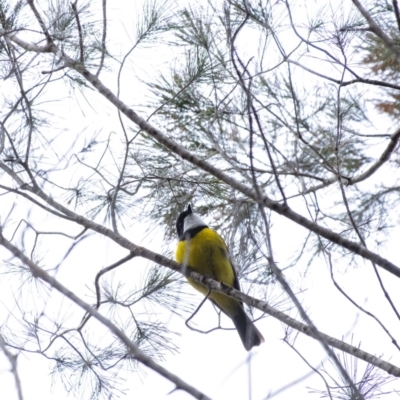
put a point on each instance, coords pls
(192, 221)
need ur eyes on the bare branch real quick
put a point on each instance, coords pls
(13, 361)
(133, 349)
(103, 38)
(378, 31)
(78, 24)
(275, 206)
(40, 20)
(214, 286)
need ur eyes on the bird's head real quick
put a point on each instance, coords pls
(188, 220)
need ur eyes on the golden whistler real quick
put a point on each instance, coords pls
(203, 250)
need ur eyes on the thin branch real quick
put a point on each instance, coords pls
(13, 361)
(392, 338)
(195, 312)
(311, 326)
(385, 156)
(303, 328)
(277, 272)
(362, 240)
(103, 38)
(315, 370)
(222, 288)
(275, 206)
(341, 186)
(327, 53)
(54, 70)
(80, 33)
(378, 31)
(396, 12)
(132, 347)
(40, 20)
(2, 138)
(346, 83)
(97, 286)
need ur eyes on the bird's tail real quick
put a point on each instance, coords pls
(248, 332)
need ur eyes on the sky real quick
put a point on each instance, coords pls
(215, 363)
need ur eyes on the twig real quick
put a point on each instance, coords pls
(275, 206)
(97, 286)
(397, 12)
(221, 288)
(315, 370)
(346, 83)
(13, 361)
(196, 311)
(132, 347)
(103, 38)
(40, 20)
(78, 23)
(377, 30)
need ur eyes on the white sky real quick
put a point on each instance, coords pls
(214, 363)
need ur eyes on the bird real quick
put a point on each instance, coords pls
(204, 251)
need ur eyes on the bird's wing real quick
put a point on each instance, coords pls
(224, 248)
(236, 283)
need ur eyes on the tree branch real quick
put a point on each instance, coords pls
(279, 208)
(13, 361)
(221, 288)
(132, 347)
(378, 31)
(282, 209)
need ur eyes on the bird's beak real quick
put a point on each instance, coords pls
(189, 209)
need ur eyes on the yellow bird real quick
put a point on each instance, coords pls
(204, 251)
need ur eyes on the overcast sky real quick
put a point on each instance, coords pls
(216, 363)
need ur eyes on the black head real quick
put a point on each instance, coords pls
(181, 219)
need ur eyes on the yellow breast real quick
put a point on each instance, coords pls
(207, 254)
